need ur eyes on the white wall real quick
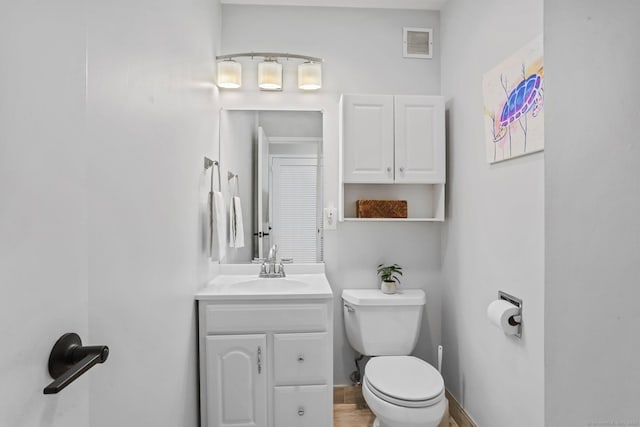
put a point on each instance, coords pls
(494, 233)
(362, 49)
(592, 374)
(151, 119)
(291, 123)
(43, 273)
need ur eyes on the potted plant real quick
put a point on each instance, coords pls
(390, 277)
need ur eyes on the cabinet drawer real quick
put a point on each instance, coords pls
(301, 358)
(238, 318)
(307, 406)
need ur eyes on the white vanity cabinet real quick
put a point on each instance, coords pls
(266, 362)
(393, 147)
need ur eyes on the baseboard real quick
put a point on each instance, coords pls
(458, 413)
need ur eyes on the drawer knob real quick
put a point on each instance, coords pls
(301, 358)
(301, 411)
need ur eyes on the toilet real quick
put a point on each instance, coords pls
(401, 390)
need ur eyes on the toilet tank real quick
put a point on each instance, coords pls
(379, 324)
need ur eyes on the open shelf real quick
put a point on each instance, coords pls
(425, 202)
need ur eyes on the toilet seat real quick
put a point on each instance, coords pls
(404, 381)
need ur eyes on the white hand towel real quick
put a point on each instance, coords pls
(236, 228)
(218, 225)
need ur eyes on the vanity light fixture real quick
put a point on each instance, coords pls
(270, 75)
(310, 76)
(229, 74)
(270, 71)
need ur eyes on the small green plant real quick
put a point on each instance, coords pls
(389, 273)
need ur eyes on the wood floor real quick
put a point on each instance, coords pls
(349, 415)
(350, 409)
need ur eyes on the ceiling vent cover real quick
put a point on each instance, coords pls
(418, 43)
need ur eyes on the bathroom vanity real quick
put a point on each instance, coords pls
(266, 348)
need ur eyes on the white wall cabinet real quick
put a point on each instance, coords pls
(398, 140)
(266, 364)
(393, 139)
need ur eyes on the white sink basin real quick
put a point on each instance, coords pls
(243, 286)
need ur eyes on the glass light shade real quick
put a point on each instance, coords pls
(310, 76)
(270, 75)
(229, 74)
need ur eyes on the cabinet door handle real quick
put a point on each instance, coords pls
(389, 169)
(259, 360)
(402, 170)
(301, 358)
(301, 411)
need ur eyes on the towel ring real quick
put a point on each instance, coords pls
(230, 176)
(208, 163)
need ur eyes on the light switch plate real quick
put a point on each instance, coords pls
(330, 218)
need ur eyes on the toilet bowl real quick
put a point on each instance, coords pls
(404, 391)
(401, 390)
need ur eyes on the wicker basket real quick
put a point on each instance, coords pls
(381, 208)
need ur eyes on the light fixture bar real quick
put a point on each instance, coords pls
(269, 55)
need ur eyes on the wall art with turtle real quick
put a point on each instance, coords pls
(513, 104)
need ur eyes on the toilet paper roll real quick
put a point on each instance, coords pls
(499, 312)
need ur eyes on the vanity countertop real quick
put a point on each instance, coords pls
(298, 284)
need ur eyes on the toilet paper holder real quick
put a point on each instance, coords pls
(516, 319)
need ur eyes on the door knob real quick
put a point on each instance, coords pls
(69, 359)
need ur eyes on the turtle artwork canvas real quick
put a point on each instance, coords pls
(514, 104)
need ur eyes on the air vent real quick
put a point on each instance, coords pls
(418, 43)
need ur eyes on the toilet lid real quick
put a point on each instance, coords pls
(404, 378)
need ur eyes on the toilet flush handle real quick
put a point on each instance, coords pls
(349, 308)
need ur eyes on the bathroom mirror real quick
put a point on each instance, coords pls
(272, 161)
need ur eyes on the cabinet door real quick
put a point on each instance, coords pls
(367, 126)
(419, 140)
(236, 381)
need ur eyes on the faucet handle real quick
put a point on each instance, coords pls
(281, 270)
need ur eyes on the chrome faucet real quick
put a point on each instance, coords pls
(273, 253)
(270, 268)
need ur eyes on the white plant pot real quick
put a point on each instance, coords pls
(388, 287)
